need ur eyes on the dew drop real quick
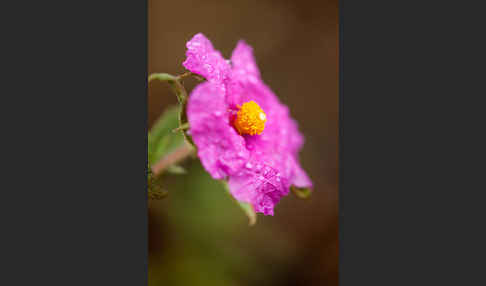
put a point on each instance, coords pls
(262, 116)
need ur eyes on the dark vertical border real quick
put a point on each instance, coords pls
(341, 143)
(144, 229)
(76, 204)
(414, 113)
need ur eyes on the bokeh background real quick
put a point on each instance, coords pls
(197, 235)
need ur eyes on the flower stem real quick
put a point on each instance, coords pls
(174, 83)
(182, 127)
(181, 93)
(184, 75)
(176, 156)
(161, 77)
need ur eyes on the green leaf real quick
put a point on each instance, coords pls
(302, 193)
(246, 207)
(161, 139)
(176, 170)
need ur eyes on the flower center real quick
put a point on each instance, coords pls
(250, 119)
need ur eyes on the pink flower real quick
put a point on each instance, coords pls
(241, 130)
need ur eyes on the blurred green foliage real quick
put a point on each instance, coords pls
(161, 139)
(199, 237)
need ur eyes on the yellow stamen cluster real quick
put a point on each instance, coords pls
(250, 119)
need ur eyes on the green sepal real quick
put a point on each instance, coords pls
(301, 193)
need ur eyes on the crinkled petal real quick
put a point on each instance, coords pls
(203, 59)
(265, 179)
(244, 63)
(260, 185)
(220, 148)
(281, 142)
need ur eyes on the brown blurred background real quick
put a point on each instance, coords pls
(197, 236)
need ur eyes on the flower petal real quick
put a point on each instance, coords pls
(244, 63)
(203, 59)
(281, 142)
(221, 149)
(260, 185)
(299, 177)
